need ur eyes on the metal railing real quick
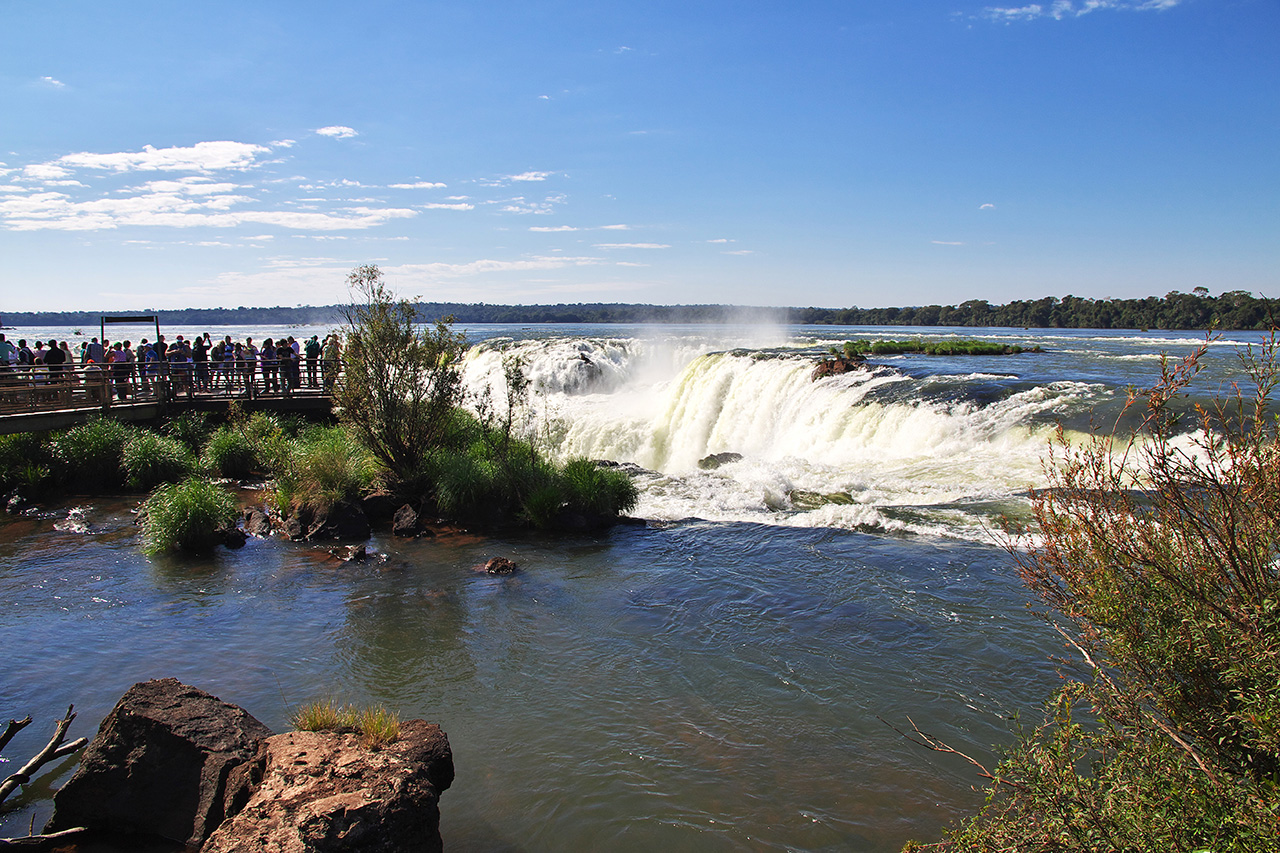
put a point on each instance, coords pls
(42, 388)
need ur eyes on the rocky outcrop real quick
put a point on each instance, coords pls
(341, 520)
(715, 460)
(837, 365)
(163, 763)
(173, 762)
(326, 792)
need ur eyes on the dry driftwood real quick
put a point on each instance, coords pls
(53, 750)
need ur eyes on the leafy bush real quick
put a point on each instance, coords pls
(230, 452)
(1157, 555)
(149, 459)
(88, 456)
(186, 516)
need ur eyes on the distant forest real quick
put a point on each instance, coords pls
(1235, 309)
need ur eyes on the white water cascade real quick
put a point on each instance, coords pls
(866, 449)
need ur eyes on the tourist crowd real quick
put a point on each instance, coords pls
(200, 364)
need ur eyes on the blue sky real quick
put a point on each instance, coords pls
(884, 152)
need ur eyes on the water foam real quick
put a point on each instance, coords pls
(866, 449)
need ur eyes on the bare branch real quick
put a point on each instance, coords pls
(53, 749)
(12, 729)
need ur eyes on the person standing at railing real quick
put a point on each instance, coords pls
(269, 366)
(248, 364)
(332, 362)
(8, 356)
(119, 371)
(200, 358)
(93, 351)
(54, 358)
(313, 359)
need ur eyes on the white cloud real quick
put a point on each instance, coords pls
(615, 227)
(45, 171)
(435, 205)
(546, 229)
(420, 185)
(987, 206)
(480, 267)
(1060, 9)
(11, 188)
(337, 131)
(174, 209)
(946, 243)
(632, 246)
(56, 84)
(201, 157)
(721, 240)
(529, 176)
(284, 143)
(739, 252)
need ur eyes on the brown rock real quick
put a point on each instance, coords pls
(406, 522)
(257, 523)
(325, 791)
(161, 764)
(500, 566)
(342, 520)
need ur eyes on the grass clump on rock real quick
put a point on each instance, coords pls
(191, 516)
(377, 726)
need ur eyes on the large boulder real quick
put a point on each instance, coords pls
(163, 764)
(327, 791)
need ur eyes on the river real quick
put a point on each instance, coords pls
(723, 677)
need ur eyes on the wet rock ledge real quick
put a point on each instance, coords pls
(173, 762)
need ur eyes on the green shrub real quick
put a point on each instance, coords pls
(230, 452)
(186, 516)
(88, 456)
(24, 463)
(1156, 556)
(191, 428)
(149, 459)
(598, 491)
(330, 465)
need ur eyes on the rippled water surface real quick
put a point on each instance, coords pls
(693, 686)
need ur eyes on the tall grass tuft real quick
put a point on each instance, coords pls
(149, 459)
(377, 726)
(191, 428)
(186, 516)
(230, 452)
(331, 466)
(88, 456)
(24, 463)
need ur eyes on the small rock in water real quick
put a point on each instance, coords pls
(351, 553)
(715, 460)
(501, 566)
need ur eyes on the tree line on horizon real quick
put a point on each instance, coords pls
(1234, 309)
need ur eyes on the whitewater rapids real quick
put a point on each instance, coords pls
(889, 448)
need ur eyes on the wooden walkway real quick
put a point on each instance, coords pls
(37, 400)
